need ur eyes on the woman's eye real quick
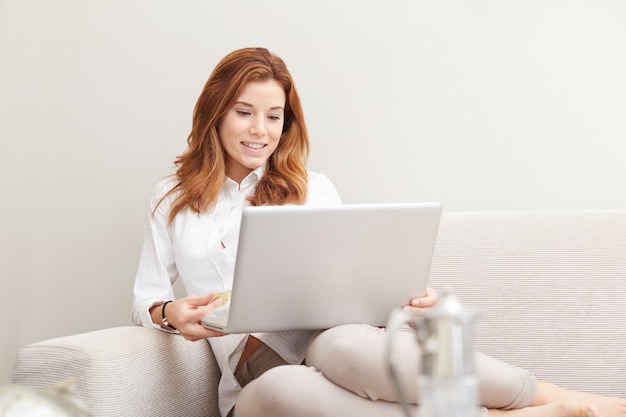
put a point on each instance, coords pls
(243, 112)
(274, 117)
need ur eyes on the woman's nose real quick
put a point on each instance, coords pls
(257, 127)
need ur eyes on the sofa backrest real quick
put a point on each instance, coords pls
(550, 289)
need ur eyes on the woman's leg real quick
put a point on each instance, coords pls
(302, 391)
(293, 390)
(353, 357)
(353, 373)
(549, 394)
(555, 409)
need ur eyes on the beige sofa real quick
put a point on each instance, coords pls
(550, 287)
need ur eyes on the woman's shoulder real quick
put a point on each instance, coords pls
(162, 189)
(315, 176)
(166, 185)
(321, 190)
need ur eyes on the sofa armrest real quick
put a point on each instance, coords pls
(126, 371)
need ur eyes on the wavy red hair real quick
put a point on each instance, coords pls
(201, 169)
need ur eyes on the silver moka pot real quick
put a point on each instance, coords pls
(447, 382)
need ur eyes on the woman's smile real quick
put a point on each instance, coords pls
(253, 145)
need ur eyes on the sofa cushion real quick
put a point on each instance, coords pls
(549, 287)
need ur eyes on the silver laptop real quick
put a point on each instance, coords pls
(315, 267)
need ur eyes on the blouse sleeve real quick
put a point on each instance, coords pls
(321, 190)
(157, 271)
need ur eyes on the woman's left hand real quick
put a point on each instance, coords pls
(419, 305)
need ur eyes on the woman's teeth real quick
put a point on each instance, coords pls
(253, 145)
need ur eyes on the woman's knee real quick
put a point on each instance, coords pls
(275, 393)
(344, 346)
(503, 385)
(354, 358)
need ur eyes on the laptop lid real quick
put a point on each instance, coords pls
(315, 267)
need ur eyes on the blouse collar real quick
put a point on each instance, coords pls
(249, 183)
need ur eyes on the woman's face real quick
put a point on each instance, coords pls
(251, 129)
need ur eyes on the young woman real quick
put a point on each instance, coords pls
(249, 146)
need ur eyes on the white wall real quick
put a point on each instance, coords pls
(480, 104)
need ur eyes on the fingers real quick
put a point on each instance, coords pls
(199, 300)
(198, 332)
(428, 300)
(187, 313)
(200, 307)
(419, 305)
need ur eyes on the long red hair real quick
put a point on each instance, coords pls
(201, 169)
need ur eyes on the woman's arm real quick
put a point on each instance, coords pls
(157, 270)
(156, 274)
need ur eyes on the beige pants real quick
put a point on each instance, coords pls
(347, 376)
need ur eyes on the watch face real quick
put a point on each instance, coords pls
(18, 401)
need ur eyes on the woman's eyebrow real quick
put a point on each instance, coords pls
(243, 103)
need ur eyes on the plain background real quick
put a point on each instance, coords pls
(478, 104)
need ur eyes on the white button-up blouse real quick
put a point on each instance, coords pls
(191, 249)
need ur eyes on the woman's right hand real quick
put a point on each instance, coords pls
(185, 314)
